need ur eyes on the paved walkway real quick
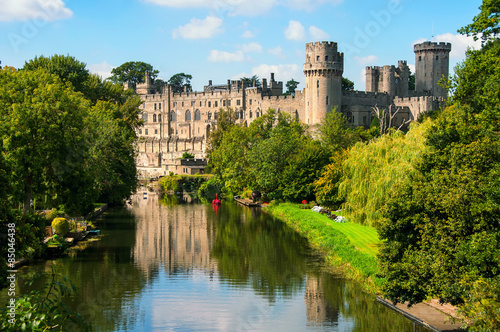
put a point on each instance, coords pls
(431, 315)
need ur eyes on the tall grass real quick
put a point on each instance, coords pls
(352, 246)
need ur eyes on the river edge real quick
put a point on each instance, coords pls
(335, 247)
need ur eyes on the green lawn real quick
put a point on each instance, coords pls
(349, 244)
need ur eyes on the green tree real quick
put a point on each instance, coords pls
(41, 126)
(179, 81)
(248, 82)
(291, 86)
(335, 133)
(326, 187)
(486, 24)
(132, 72)
(68, 68)
(347, 84)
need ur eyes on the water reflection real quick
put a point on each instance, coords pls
(190, 268)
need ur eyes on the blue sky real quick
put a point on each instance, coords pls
(228, 39)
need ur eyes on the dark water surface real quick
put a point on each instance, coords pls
(189, 268)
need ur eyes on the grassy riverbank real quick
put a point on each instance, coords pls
(352, 246)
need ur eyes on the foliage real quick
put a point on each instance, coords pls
(179, 81)
(372, 171)
(60, 226)
(132, 72)
(347, 84)
(169, 183)
(249, 82)
(486, 24)
(291, 86)
(187, 155)
(209, 188)
(339, 242)
(44, 310)
(335, 133)
(327, 185)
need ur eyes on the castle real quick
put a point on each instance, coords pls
(175, 123)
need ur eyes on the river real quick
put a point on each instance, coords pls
(185, 267)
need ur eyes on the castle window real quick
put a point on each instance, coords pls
(317, 58)
(159, 106)
(241, 114)
(209, 115)
(437, 57)
(317, 84)
(145, 117)
(238, 102)
(156, 131)
(250, 114)
(250, 101)
(182, 104)
(327, 100)
(215, 115)
(173, 116)
(155, 106)
(145, 131)
(419, 58)
(326, 57)
(197, 115)
(159, 117)
(229, 103)
(140, 131)
(209, 104)
(215, 103)
(188, 115)
(200, 103)
(364, 120)
(154, 117)
(224, 103)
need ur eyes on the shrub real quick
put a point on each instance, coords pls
(60, 226)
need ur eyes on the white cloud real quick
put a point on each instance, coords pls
(222, 56)
(366, 60)
(251, 47)
(199, 29)
(248, 34)
(295, 31)
(459, 43)
(102, 69)
(318, 34)
(40, 10)
(277, 51)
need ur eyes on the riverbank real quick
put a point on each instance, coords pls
(353, 247)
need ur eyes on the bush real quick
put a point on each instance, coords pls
(60, 226)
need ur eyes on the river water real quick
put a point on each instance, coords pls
(189, 268)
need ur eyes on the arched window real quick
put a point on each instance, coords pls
(188, 115)
(154, 117)
(173, 116)
(209, 115)
(250, 114)
(159, 117)
(197, 115)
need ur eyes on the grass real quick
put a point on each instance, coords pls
(352, 246)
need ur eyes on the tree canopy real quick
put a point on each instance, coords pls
(180, 81)
(291, 86)
(132, 72)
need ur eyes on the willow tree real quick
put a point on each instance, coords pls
(374, 170)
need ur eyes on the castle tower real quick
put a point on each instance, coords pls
(431, 63)
(323, 71)
(402, 79)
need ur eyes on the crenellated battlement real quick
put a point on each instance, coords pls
(432, 46)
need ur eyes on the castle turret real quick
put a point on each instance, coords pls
(431, 64)
(323, 71)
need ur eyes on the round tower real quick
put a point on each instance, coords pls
(323, 71)
(432, 61)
